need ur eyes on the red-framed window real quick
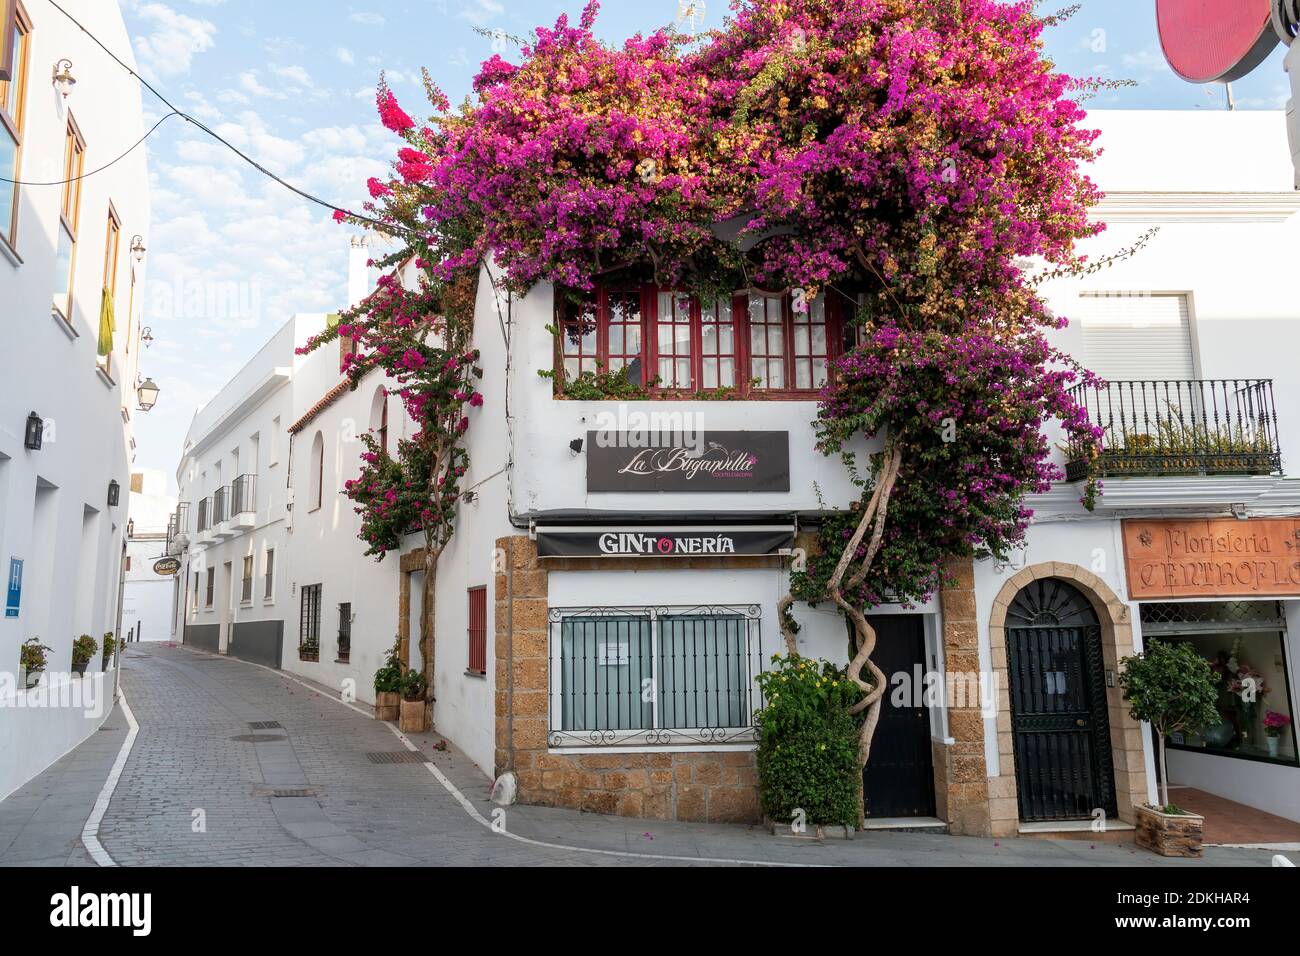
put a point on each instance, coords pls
(478, 630)
(763, 346)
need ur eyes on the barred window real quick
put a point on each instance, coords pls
(654, 676)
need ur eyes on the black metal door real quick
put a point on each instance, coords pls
(1061, 729)
(899, 777)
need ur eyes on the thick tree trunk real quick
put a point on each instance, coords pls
(1164, 774)
(428, 599)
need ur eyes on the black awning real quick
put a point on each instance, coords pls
(663, 541)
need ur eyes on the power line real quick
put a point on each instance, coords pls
(218, 137)
(64, 182)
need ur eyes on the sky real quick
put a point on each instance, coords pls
(233, 255)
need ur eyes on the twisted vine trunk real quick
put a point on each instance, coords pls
(873, 517)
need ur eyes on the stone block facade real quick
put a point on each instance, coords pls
(714, 787)
(962, 796)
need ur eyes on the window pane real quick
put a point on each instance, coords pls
(775, 374)
(9, 170)
(802, 373)
(727, 373)
(63, 273)
(703, 672)
(603, 662)
(710, 373)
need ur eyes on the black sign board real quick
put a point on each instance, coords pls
(698, 541)
(705, 462)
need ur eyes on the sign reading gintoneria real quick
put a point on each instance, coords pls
(1214, 557)
(663, 542)
(699, 462)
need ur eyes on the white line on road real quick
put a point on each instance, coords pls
(90, 832)
(470, 809)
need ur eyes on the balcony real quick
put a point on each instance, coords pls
(203, 529)
(178, 530)
(1194, 427)
(221, 514)
(243, 504)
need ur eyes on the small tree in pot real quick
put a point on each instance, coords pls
(414, 719)
(32, 659)
(110, 645)
(388, 686)
(83, 649)
(1173, 688)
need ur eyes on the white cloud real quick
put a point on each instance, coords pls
(367, 18)
(345, 56)
(481, 12)
(168, 49)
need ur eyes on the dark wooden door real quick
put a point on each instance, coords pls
(1060, 724)
(899, 777)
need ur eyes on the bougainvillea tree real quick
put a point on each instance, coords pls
(908, 156)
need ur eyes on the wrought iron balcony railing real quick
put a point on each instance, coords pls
(243, 495)
(205, 516)
(221, 505)
(1189, 427)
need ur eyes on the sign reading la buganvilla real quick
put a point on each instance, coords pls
(663, 542)
(1212, 557)
(699, 462)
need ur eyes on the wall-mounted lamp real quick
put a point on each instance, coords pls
(146, 336)
(575, 447)
(34, 433)
(1240, 512)
(137, 248)
(64, 81)
(114, 493)
(147, 394)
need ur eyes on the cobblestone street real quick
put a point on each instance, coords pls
(236, 765)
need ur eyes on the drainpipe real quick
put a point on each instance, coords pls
(117, 631)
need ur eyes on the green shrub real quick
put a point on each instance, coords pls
(83, 649)
(808, 743)
(413, 686)
(388, 679)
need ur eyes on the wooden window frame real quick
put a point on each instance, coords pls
(210, 588)
(19, 63)
(476, 635)
(268, 575)
(74, 167)
(112, 263)
(246, 582)
(741, 354)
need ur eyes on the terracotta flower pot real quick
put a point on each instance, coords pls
(1168, 834)
(414, 717)
(388, 705)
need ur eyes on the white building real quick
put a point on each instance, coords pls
(272, 570)
(68, 381)
(151, 576)
(582, 566)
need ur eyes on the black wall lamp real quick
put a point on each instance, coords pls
(114, 493)
(575, 446)
(35, 432)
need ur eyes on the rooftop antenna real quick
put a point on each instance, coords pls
(691, 12)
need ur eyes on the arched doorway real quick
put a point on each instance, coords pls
(1059, 720)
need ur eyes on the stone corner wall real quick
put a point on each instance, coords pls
(961, 773)
(714, 787)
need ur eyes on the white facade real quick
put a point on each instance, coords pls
(55, 515)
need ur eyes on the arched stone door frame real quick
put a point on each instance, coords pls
(1127, 749)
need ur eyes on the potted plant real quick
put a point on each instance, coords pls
(83, 649)
(415, 713)
(309, 650)
(388, 686)
(1275, 725)
(110, 645)
(32, 659)
(1173, 688)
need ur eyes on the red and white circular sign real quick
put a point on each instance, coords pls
(1208, 41)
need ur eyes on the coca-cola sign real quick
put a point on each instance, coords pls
(708, 463)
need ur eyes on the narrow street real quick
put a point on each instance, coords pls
(234, 765)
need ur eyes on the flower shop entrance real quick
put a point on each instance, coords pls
(899, 779)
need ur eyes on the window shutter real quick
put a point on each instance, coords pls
(1129, 337)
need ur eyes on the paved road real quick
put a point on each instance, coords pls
(236, 765)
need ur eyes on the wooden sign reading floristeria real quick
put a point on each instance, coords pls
(1212, 557)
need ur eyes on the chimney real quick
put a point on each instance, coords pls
(359, 284)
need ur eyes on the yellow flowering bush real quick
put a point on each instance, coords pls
(808, 742)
